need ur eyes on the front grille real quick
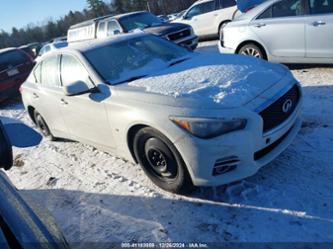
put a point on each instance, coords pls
(179, 35)
(278, 112)
(261, 153)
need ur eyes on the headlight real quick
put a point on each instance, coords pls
(209, 127)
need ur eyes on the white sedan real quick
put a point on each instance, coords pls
(186, 118)
(285, 31)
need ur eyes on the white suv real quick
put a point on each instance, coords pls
(208, 17)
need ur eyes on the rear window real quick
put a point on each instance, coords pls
(12, 59)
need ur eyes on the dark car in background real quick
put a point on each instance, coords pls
(108, 26)
(15, 67)
(28, 50)
(32, 48)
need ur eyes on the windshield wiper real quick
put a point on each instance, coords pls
(130, 79)
(177, 62)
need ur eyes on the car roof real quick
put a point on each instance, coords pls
(85, 46)
(202, 1)
(92, 21)
(4, 50)
(129, 14)
(89, 22)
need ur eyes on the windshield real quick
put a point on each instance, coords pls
(12, 59)
(139, 21)
(134, 58)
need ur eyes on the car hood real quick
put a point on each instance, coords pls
(166, 28)
(209, 80)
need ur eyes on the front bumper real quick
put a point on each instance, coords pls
(250, 147)
(224, 50)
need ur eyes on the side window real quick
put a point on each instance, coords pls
(113, 28)
(101, 29)
(72, 71)
(287, 8)
(227, 3)
(50, 72)
(321, 6)
(266, 14)
(38, 73)
(200, 9)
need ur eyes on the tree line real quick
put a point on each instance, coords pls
(95, 8)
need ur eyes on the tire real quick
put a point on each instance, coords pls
(43, 127)
(221, 29)
(161, 161)
(253, 50)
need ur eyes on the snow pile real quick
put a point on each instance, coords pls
(222, 78)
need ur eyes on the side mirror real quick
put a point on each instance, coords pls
(116, 32)
(76, 88)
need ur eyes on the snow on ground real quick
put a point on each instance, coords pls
(96, 197)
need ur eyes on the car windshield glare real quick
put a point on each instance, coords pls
(139, 21)
(134, 58)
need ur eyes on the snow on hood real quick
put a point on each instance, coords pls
(229, 80)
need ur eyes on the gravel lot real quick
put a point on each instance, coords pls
(96, 197)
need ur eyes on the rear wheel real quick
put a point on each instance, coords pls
(252, 50)
(42, 126)
(161, 161)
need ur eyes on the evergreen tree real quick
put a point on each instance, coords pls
(98, 7)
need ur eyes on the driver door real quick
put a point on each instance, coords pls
(84, 114)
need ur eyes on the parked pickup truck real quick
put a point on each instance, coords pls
(108, 26)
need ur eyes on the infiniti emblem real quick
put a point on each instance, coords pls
(287, 105)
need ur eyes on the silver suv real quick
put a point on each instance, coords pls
(287, 31)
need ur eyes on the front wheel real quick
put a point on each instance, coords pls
(252, 50)
(42, 126)
(161, 161)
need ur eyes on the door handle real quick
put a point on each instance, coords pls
(259, 25)
(318, 23)
(35, 96)
(63, 102)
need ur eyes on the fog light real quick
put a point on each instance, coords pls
(225, 165)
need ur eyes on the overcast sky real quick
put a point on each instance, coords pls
(19, 13)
